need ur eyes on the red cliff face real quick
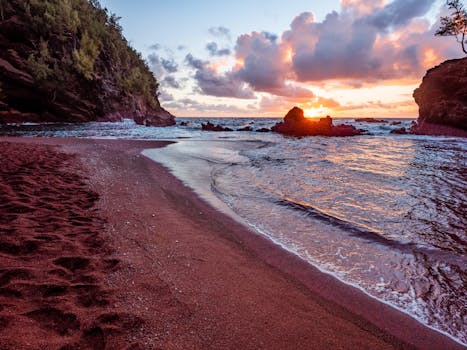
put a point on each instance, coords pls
(78, 67)
(442, 100)
(295, 124)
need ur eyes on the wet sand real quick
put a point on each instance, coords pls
(102, 248)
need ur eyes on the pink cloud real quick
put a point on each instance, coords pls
(366, 41)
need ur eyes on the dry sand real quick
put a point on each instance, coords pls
(101, 248)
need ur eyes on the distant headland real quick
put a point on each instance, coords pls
(68, 61)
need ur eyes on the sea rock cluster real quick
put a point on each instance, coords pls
(442, 100)
(370, 120)
(67, 61)
(211, 127)
(295, 124)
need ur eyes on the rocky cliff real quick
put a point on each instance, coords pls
(67, 61)
(442, 100)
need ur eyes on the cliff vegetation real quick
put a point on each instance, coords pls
(67, 60)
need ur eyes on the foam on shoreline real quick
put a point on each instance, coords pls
(193, 163)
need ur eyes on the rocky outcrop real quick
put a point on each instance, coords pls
(67, 61)
(399, 131)
(442, 100)
(370, 120)
(263, 130)
(295, 124)
(211, 127)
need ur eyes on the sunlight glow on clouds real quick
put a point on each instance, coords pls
(363, 60)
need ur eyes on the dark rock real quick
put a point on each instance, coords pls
(399, 131)
(211, 127)
(154, 117)
(436, 130)
(245, 128)
(442, 100)
(295, 124)
(183, 123)
(396, 123)
(370, 120)
(263, 130)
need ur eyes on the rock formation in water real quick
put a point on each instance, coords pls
(399, 131)
(442, 100)
(211, 127)
(295, 124)
(67, 61)
(263, 130)
(370, 120)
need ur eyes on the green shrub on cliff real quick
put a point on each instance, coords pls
(39, 62)
(79, 39)
(85, 57)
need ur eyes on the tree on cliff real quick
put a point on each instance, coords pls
(455, 24)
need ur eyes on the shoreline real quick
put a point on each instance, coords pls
(298, 302)
(184, 158)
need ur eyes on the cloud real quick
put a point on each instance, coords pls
(364, 41)
(164, 96)
(214, 50)
(162, 66)
(169, 65)
(155, 47)
(377, 104)
(193, 106)
(326, 102)
(398, 13)
(271, 104)
(164, 70)
(220, 32)
(172, 82)
(361, 7)
(155, 65)
(194, 62)
(262, 60)
(211, 83)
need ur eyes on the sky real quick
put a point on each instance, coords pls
(259, 58)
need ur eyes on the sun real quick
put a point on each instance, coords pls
(316, 112)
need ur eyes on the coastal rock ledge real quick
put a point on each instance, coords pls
(442, 100)
(295, 124)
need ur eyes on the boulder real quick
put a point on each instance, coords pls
(295, 124)
(154, 117)
(442, 100)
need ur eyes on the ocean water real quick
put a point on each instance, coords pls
(385, 213)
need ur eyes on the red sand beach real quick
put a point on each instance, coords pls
(101, 248)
